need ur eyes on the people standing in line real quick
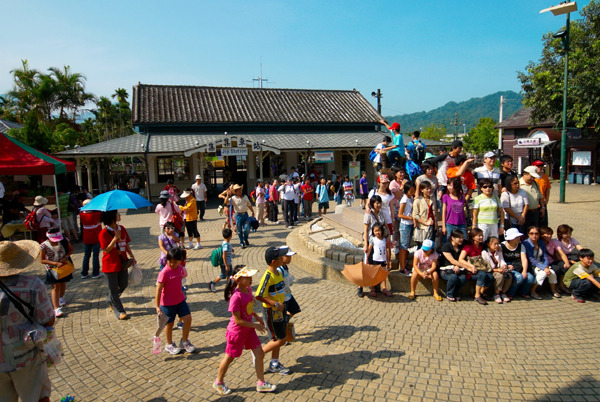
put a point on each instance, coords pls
(191, 219)
(241, 332)
(165, 209)
(487, 211)
(453, 209)
(201, 195)
(498, 270)
(114, 242)
(544, 185)
(452, 269)
(241, 204)
(538, 263)
(471, 257)
(515, 203)
(23, 371)
(273, 201)
(488, 171)
(307, 198)
(271, 292)
(43, 217)
(55, 253)
(134, 184)
(536, 207)
(260, 201)
(506, 165)
(171, 301)
(583, 277)
(322, 197)
(91, 225)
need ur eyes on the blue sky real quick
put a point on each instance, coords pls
(421, 54)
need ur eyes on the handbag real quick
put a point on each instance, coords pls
(63, 271)
(479, 263)
(176, 219)
(135, 275)
(423, 233)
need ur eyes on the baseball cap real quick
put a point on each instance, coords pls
(532, 171)
(57, 236)
(489, 154)
(383, 178)
(538, 162)
(164, 195)
(427, 245)
(512, 233)
(395, 126)
(273, 253)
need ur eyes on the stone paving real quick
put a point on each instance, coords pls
(347, 348)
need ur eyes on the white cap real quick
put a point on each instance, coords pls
(512, 233)
(198, 177)
(489, 154)
(532, 170)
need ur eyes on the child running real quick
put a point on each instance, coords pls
(272, 295)
(291, 305)
(241, 331)
(226, 266)
(170, 300)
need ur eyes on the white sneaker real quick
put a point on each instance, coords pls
(58, 312)
(172, 349)
(198, 246)
(290, 227)
(190, 246)
(187, 345)
(266, 387)
(62, 302)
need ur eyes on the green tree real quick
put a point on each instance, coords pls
(33, 133)
(434, 132)
(69, 90)
(542, 82)
(483, 137)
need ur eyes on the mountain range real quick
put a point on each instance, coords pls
(469, 112)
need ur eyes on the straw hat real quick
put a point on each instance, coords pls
(39, 201)
(237, 187)
(16, 256)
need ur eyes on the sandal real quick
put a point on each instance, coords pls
(437, 297)
(386, 292)
(411, 296)
(557, 295)
(373, 293)
(481, 301)
(505, 298)
(536, 296)
(451, 299)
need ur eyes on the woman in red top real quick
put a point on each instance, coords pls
(114, 242)
(471, 256)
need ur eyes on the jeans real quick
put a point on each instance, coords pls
(296, 211)
(393, 156)
(85, 267)
(520, 286)
(288, 212)
(201, 208)
(272, 211)
(450, 227)
(482, 278)
(242, 224)
(583, 288)
(454, 281)
(117, 283)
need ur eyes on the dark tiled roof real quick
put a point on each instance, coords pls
(166, 104)
(6, 125)
(522, 119)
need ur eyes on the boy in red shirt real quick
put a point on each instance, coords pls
(307, 198)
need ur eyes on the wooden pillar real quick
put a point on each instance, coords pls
(88, 164)
(78, 176)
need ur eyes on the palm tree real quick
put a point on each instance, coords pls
(70, 90)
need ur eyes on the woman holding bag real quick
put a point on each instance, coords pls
(114, 242)
(55, 256)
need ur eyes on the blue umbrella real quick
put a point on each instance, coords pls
(116, 199)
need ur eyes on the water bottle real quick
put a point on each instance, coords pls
(156, 345)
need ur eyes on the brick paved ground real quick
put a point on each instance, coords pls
(348, 348)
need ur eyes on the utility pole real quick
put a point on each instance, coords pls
(500, 131)
(456, 123)
(378, 95)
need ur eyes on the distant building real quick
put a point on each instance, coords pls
(6, 125)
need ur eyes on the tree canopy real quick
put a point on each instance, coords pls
(542, 82)
(483, 137)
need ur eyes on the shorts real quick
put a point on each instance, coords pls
(292, 306)
(324, 205)
(406, 232)
(223, 274)
(30, 383)
(276, 327)
(180, 310)
(192, 228)
(237, 342)
(362, 196)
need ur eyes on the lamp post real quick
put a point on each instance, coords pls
(564, 8)
(378, 95)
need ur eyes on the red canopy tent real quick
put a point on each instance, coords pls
(17, 158)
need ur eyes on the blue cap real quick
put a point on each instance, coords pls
(427, 245)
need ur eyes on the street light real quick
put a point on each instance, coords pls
(564, 8)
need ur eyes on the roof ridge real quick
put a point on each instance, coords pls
(139, 84)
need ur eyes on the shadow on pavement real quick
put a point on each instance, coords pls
(332, 334)
(584, 387)
(324, 372)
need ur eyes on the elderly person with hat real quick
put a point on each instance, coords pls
(241, 204)
(166, 208)
(201, 194)
(91, 228)
(43, 216)
(536, 206)
(191, 218)
(23, 373)
(544, 184)
(488, 171)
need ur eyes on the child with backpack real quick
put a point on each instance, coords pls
(291, 305)
(170, 300)
(241, 331)
(224, 262)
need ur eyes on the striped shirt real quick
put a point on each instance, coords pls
(271, 287)
(488, 209)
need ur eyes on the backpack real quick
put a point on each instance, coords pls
(253, 222)
(216, 257)
(418, 154)
(372, 154)
(31, 222)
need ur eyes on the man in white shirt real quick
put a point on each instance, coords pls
(488, 171)
(293, 174)
(201, 194)
(288, 197)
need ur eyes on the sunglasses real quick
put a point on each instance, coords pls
(486, 186)
(534, 233)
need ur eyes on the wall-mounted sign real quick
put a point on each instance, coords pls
(226, 142)
(528, 141)
(582, 158)
(210, 147)
(323, 156)
(256, 146)
(234, 151)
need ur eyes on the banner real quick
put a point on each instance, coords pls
(234, 151)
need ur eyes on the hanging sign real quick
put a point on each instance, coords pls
(211, 147)
(234, 151)
(323, 156)
(528, 141)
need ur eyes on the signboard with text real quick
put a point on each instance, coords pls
(528, 141)
(354, 169)
(323, 156)
(234, 151)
